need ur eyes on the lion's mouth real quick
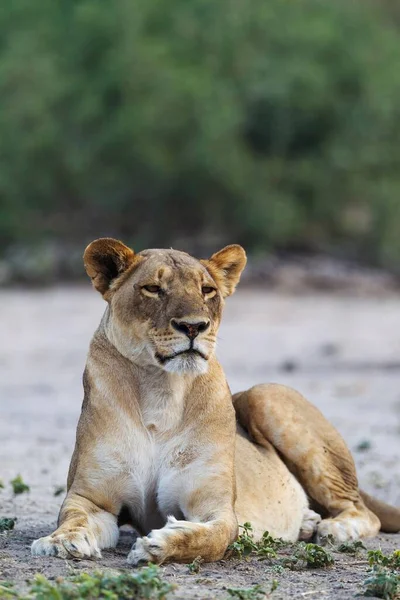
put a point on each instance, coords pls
(189, 352)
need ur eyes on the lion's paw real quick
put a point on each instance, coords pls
(151, 548)
(345, 530)
(309, 524)
(67, 545)
(141, 552)
(158, 545)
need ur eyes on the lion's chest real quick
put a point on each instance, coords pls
(149, 470)
(143, 460)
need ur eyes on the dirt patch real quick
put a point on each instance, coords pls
(342, 352)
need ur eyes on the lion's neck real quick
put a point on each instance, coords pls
(155, 397)
(162, 399)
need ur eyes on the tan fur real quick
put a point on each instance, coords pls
(156, 443)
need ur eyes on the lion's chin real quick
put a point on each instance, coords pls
(186, 364)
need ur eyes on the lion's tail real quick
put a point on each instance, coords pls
(389, 516)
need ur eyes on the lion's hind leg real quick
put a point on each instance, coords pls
(314, 451)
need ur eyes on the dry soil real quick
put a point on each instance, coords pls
(342, 352)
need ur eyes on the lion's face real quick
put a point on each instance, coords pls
(170, 307)
(165, 306)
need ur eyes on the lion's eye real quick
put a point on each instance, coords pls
(207, 289)
(153, 289)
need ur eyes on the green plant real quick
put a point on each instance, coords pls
(254, 593)
(19, 486)
(59, 490)
(1, 484)
(6, 524)
(377, 558)
(7, 590)
(278, 568)
(145, 584)
(245, 544)
(310, 555)
(267, 545)
(364, 445)
(194, 566)
(351, 547)
(274, 585)
(382, 584)
(287, 138)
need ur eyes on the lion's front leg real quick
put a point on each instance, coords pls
(83, 530)
(183, 541)
(210, 523)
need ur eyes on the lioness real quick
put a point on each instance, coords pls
(160, 443)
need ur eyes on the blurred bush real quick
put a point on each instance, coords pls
(275, 124)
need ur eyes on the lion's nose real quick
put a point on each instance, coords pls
(192, 330)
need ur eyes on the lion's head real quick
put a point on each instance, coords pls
(164, 305)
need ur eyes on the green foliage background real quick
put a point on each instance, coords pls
(271, 123)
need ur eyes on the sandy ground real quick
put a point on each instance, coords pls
(343, 353)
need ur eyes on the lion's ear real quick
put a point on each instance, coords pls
(104, 260)
(226, 266)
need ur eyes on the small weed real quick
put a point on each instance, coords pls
(351, 547)
(315, 556)
(267, 546)
(245, 544)
(19, 486)
(310, 555)
(304, 555)
(7, 524)
(363, 446)
(59, 490)
(145, 584)
(194, 567)
(204, 581)
(377, 558)
(383, 581)
(274, 585)
(254, 593)
(1, 484)
(382, 584)
(7, 591)
(278, 569)
(268, 540)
